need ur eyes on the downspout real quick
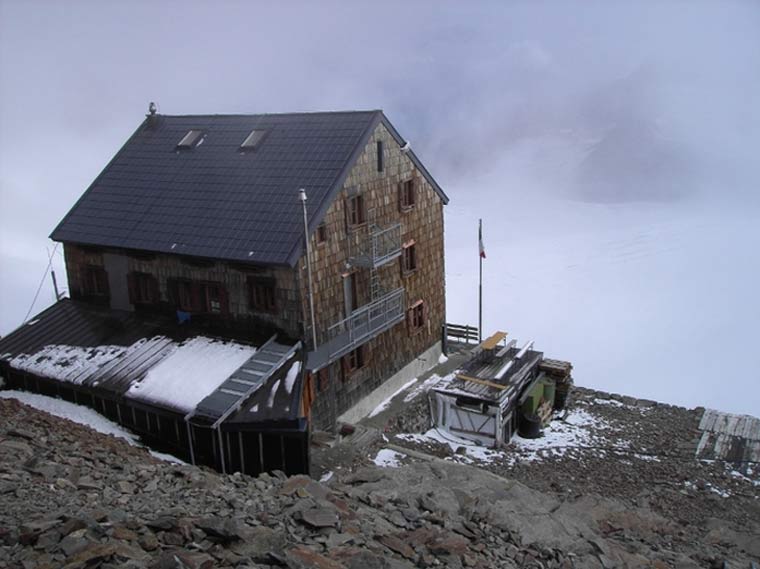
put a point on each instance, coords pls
(302, 197)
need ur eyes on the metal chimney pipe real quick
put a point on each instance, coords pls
(302, 197)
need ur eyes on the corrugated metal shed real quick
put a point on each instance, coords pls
(729, 437)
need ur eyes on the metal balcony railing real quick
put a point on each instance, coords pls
(362, 325)
(379, 247)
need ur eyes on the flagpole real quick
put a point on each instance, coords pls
(480, 281)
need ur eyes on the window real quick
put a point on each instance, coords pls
(321, 233)
(184, 298)
(416, 316)
(408, 258)
(143, 288)
(353, 361)
(355, 210)
(213, 296)
(192, 138)
(191, 296)
(380, 156)
(253, 139)
(94, 281)
(262, 294)
(406, 198)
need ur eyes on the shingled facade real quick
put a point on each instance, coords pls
(199, 217)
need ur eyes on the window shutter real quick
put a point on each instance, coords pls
(199, 302)
(102, 277)
(173, 293)
(132, 288)
(400, 192)
(223, 300)
(155, 291)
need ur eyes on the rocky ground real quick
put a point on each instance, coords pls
(637, 453)
(625, 495)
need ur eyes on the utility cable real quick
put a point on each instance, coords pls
(42, 282)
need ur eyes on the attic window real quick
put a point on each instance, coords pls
(253, 140)
(190, 139)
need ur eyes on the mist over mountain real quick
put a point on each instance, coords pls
(627, 130)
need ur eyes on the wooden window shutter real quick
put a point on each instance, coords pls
(132, 287)
(223, 300)
(155, 290)
(172, 288)
(199, 302)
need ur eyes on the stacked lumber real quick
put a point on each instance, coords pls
(560, 371)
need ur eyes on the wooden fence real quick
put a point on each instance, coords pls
(462, 333)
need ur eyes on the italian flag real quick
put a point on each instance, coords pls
(481, 248)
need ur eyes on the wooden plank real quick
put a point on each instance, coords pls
(481, 381)
(491, 342)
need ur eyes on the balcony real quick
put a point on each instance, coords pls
(362, 325)
(381, 246)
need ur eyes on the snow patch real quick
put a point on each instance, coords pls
(272, 393)
(72, 364)
(190, 373)
(81, 415)
(422, 388)
(387, 401)
(388, 458)
(577, 430)
(473, 451)
(290, 378)
(613, 402)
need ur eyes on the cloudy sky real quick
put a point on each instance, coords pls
(579, 129)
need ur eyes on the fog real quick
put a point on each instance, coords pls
(610, 148)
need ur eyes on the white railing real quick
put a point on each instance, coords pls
(365, 322)
(380, 246)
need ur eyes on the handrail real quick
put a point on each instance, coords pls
(380, 246)
(367, 319)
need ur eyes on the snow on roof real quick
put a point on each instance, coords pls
(190, 373)
(72, 364)
(290, 379)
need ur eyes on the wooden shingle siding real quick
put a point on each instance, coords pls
(232, 277)
(422, 224)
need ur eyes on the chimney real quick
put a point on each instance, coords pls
(152, 116)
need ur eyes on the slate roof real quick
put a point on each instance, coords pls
(215, 201)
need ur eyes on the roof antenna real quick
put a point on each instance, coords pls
(152, 108)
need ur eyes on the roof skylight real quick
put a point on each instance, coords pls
(190, 139)
(253, 139)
